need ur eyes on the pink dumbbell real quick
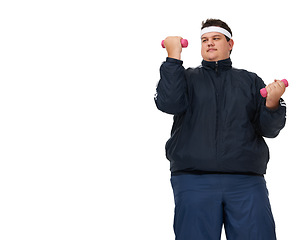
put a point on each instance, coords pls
(184, 43)
(263, 91)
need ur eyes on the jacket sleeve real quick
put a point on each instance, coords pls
(270, 122)
(171, 96)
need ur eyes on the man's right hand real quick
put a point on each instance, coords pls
(173, 47)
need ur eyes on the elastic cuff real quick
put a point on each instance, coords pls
(173, 60)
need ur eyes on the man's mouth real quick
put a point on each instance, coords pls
(211, 50)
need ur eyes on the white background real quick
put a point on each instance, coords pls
(81, 141)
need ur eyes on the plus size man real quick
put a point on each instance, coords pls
(217, 153)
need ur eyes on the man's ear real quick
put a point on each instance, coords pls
(231, 44)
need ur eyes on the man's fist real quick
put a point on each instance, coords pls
(173, 47)
(274, 92)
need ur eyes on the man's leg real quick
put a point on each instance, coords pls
(247, 211)
(198, 210)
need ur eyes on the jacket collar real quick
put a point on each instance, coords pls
(219, 65)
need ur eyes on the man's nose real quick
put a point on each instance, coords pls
(210, 43)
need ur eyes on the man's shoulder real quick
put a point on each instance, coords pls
(194, 70)
(244, 72)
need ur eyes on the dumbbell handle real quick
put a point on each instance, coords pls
(263, 91)
(184, 43)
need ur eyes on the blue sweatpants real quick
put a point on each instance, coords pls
(203, 203)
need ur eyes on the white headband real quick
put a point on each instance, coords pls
(216, 29)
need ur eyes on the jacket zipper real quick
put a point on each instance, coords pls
(218, 92)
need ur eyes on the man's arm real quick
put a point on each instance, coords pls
(171, 96)
(272, 111)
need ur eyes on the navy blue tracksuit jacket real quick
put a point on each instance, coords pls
(220, 118)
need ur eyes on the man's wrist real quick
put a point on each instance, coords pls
(272, 105)
(175, 55)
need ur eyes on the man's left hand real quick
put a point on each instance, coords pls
(274, 92)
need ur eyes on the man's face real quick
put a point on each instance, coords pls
(215, 47)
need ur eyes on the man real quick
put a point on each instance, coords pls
(216, 151)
